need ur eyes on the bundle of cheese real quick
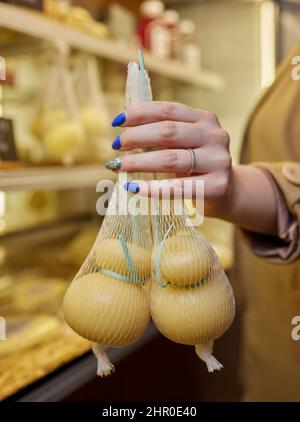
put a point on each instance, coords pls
(93, 109)
(108, 301)
(191, 300)
(56, 123)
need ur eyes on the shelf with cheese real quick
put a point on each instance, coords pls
(41, 27)
(36, 268)
(34, 273)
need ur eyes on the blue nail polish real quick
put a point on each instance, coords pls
(119, 120)
(116, 143)
(132, 187)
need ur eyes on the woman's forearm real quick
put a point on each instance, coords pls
(250, 202)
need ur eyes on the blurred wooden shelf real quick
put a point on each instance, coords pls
(35, 24)
(53, 177)
(21, 369)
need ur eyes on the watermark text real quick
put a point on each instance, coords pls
(2, 69)
(156, 197)
(296, 330)
(2, 328)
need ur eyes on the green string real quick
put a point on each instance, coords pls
(141, 59)
(122, 277)
(158, 262)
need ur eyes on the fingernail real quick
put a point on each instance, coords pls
(132, 187)
(116, 143)
(119, 120)
(114, 164)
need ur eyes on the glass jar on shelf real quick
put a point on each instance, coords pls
(149, 11)
(162, 34)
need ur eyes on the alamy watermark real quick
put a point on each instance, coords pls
(296, 328)
(158, 197)
(296, 68)
(2, 69)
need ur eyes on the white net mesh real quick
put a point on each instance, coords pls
(191, 300)
(108, 301)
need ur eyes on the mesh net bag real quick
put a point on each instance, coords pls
(56, 124)
(189, 296)
(191, 299)
(108, 300)
(93, 111)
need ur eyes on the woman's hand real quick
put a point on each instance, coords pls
(172, 129)
(243, 195)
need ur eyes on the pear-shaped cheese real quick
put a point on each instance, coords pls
(106, 310)
(195, 315)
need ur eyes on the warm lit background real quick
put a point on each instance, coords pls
(47, 197)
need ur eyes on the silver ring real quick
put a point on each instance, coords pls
(193, 161)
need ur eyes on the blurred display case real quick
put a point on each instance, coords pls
(35, 270)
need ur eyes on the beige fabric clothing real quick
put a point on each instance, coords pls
(268, 293)
(286, 247)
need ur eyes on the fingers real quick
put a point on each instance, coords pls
(154, 111)
(168, 134)
(163, 161)
(164, 188)
(179, 161)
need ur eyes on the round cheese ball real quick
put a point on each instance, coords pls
(63, 140)
(110, 256)
(106, 310)
(183, 261)
(92, 121)
(43, 122)
(196, 315)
